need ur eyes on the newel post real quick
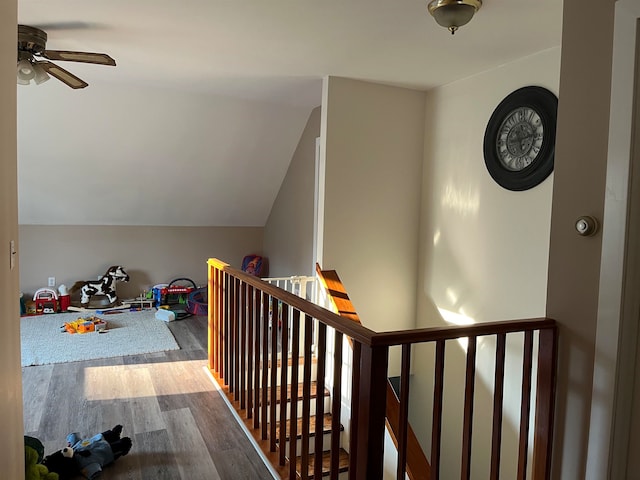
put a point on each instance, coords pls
(212, 309)
(370, 414)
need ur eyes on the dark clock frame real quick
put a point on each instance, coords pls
(545, 103)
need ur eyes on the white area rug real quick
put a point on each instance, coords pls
(128, 333)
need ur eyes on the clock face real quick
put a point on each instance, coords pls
(520, 137)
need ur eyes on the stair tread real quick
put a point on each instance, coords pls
(290, 362)
(326, 427)
(343, 465)
(313, 391)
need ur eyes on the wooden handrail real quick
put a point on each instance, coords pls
(369, 337)
(351, 329)
(418, 467)
(453, 332)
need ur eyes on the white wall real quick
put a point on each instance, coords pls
(373, 145)
(483, 251)
(11, 440)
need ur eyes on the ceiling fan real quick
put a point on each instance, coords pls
(34, 59)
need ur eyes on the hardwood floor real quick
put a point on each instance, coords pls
(180, 426)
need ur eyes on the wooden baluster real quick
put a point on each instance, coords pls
(273, 374)
(256, 358)
(525, 405)
(235, 386)
(250, 353)
(403, 416)
(468, 409)
(438, 390)
(242, 341)
(336, 403)
(498, 393)
(226, 338)
(284, 364)
(355, 406)
(321, 354)
(264, 402)
(306, 398)
(295, 359)
(543, 433)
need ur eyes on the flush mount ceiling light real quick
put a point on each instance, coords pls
(452, 14)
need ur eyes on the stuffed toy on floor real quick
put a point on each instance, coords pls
(33, 469)
(87, 457)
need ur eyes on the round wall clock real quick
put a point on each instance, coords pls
(519, 141)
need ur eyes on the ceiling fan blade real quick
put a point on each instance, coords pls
(69, 25)
(63, 75)
(84, 57)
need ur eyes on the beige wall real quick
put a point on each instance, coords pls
(150, 255)
(620, 405)
(482, 253)
(574, 261)
(142, 154)
(288, 233)
(373, 147)
(11, 440)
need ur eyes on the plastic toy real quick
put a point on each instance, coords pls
(85, 325)
(105, 286)
(173, 293)
(46, 301)
(174, 296)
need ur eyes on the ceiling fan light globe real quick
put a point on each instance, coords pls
(40, 75)
(26, 71)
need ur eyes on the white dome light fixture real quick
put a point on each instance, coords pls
(453, 14)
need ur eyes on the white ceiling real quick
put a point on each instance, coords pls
(209, 97)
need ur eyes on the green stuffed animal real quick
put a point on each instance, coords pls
(33, 470)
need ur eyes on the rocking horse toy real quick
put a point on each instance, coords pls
(105, 286)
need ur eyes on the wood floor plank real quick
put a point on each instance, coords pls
(183, 329)
(154, 454)
(145, 409)
(234, 464)
(36, 386)
(195, 462)
(159, 398)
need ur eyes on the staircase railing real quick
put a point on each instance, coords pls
(244, 356)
